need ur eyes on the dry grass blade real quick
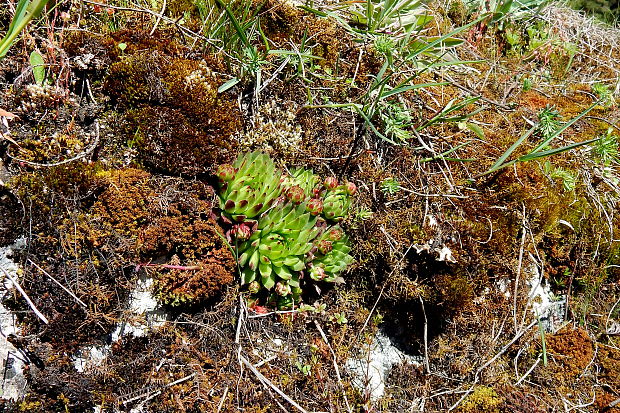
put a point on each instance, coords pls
(23, 293)
(268, 384)
(59, 284)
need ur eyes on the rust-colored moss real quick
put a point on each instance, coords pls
(454, 292)
(571, 350)
(609, 359)
(199, 284)
(603, 402)
(167, 140)
(183, 125)
(534, 100)
(125, 205)
(519, 401)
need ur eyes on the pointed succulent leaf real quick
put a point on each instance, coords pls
(264, 269)
(247, 276)
(291, 261)
(269, 281)
(243, 258)
(253, 264)
(283, 272)
(294, 282)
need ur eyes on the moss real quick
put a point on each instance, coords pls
(457, 12)
(518, 400)
(571, 350)
(30, 406)
(454, 292)
(608, 358)
(167, 140)
(204, 264)
(604, 400)
(50, 193)
(178, 8)
(10, 217)
(278, 18)
(126, 205)
(50, 149)
(482, 400)
(179, 124)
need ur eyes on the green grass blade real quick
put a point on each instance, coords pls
(543, 342)
(448, 152)
(541, 154)
(498, 164)
(439, 40)
(240, 31)
(403, 89)
(26, 12)
(566, 126)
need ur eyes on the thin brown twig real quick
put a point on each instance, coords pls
(23, 293)
(219, 407)
(519, 266)
(59, 284)
(268, 384)
(346, 401)
(426, 362)
(161, 13)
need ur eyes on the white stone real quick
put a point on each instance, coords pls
(370, 371)
(14, 382)
(142, 305)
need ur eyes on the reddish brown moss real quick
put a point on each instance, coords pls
(126, 204)
(168, 140)
(185, 126)
(609, 359)
(603, 402)
(571, 350)
(199, 284)
(519, 401)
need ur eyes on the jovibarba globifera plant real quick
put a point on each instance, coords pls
(285, 226)
(249, 186)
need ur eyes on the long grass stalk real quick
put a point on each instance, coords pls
(25, 11)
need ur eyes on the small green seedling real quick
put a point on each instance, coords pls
(38, 67)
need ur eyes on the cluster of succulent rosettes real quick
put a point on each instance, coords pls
(249, 186)
(281, 226)
(331, 256)
(276, 251)
(330, 199)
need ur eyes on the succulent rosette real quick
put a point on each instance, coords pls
(331, 256)
(276, 251)
(281, 226)
(337, 203)
(249, 186)
(303, 178)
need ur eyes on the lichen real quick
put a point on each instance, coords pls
(273, 128)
